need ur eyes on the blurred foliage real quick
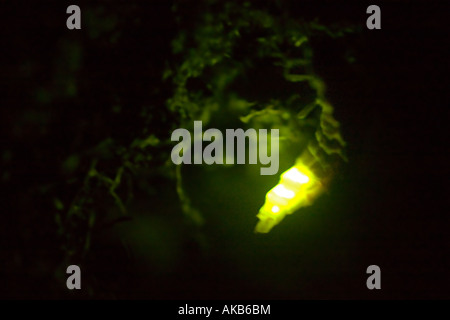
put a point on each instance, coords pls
(219, 58)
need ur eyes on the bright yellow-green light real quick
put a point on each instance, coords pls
(295, 175)
(298, 187)
(282, 191)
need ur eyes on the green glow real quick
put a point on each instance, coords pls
(295, 175)
(298, 187)
(282, 191)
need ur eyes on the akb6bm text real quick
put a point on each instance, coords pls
(248, 309)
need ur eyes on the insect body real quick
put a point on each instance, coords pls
(298, 187)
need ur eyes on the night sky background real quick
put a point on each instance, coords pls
(71, 96)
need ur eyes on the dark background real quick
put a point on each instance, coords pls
(386, 207)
